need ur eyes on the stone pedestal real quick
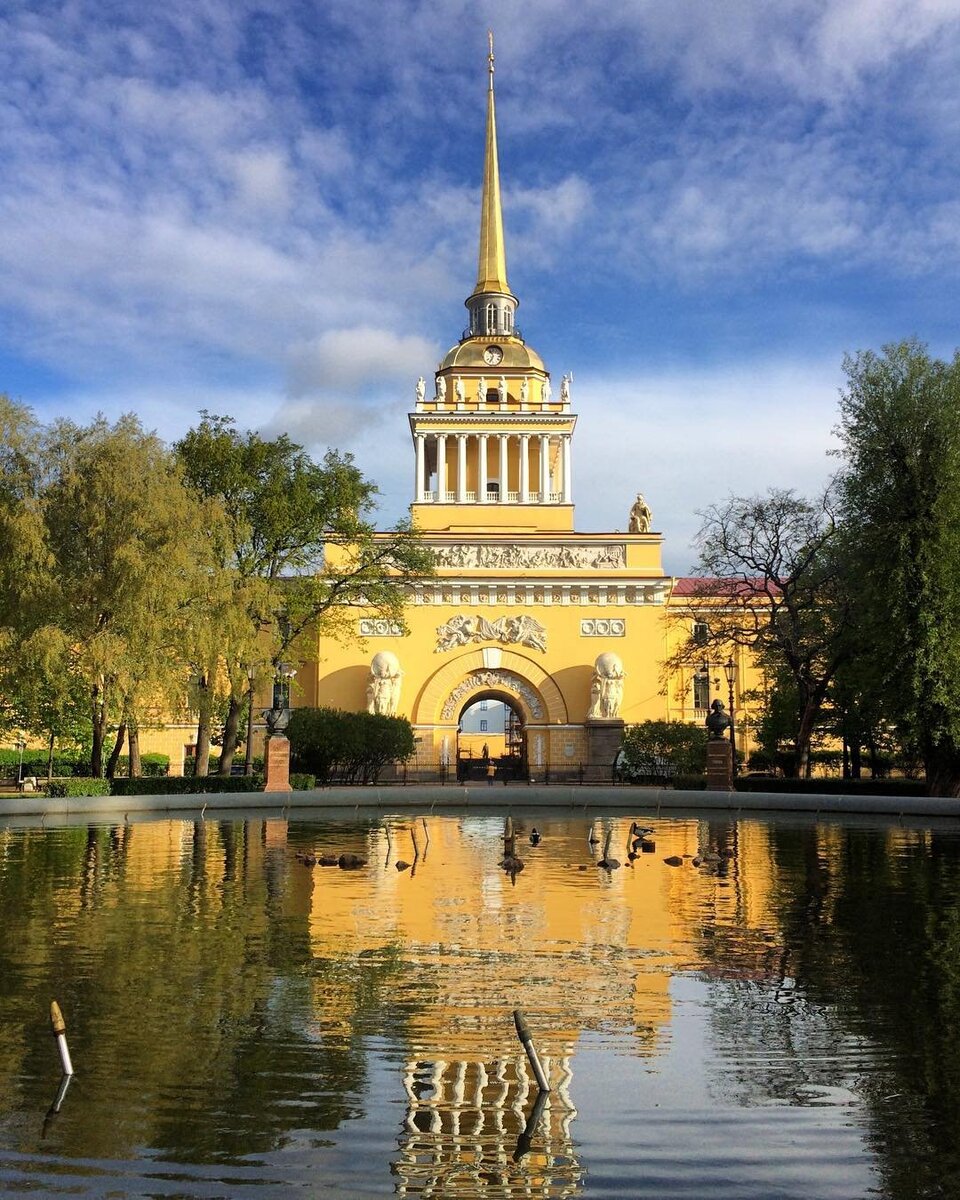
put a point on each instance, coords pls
(719, 765)
(276, 764)
(604, 739)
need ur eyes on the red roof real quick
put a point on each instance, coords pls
(706, 586)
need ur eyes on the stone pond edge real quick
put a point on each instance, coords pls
(521, 796)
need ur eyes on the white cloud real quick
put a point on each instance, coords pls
(347, 360)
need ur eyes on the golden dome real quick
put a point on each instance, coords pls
(516, 356)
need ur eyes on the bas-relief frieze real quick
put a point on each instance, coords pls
(466, 555)
(461, 630)
(493, 679)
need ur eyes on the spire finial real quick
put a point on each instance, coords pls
(490, 57)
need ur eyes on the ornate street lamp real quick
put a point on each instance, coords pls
(248, 758)
(21, 746)
(730, 670)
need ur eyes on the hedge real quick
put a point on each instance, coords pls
(302, 783)
(35, 763)
(76, 785)
(187, 785)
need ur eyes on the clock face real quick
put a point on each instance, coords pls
(492, 355)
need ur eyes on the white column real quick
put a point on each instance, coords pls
(482, 468)
(504, 466)
(524, 468)
(567, 482)
(461, 468)
(544, 468)
(419, 486)
(441, 467)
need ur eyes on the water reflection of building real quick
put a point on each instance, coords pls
(472, 1125)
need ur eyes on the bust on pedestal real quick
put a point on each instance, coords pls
(276, 754)
(719, 750)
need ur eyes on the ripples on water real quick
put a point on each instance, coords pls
(780, 1021)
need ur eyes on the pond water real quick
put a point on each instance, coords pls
(780, 1021)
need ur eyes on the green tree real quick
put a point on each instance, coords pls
(126, 544)
(900, 490)
(771, 579)
(299, 551)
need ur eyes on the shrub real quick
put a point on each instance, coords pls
(190, 765)
(302, 783)
(185, 785)
(353, 747)
(77, 785)
(662, 749)
(689, 783)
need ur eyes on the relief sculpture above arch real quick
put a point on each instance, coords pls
(494, 679)
(461, 630)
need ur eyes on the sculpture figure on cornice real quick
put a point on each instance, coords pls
(482, 390)
(441, 389)
(383, 686)
(421, 390)
(502, 391)
(565, 388)
(606, 689)
(546, 392)
(459, 392)
(524, 390)
(640, 516)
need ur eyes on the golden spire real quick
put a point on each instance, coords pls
(492, 266)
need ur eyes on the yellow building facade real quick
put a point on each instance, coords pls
(566, 628)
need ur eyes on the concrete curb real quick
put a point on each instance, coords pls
(634, 799)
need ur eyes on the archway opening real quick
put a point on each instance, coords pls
(490, 732)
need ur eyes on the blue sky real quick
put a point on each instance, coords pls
(271, 209)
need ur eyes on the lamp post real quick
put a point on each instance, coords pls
(21, 746)
(730, 670)
(248, 757)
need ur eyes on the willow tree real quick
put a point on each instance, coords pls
(283, 512)
(126, 545)
(900, 490)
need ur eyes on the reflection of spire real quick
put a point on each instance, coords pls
(492, 265)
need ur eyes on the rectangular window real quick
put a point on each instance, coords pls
(701, 632)
(484, 705)
(483, 727)
(701, 690)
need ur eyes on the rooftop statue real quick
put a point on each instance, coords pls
(640, 516)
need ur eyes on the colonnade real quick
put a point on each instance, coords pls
(475, 447)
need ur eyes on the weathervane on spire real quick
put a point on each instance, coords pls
(490, 55)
